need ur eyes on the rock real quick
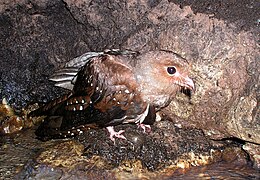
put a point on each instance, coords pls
(39, 36)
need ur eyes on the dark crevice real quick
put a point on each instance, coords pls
(71, 14)
(235, 140)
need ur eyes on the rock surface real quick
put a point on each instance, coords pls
(36, 37)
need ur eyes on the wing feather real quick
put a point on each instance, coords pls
(67, 76)
(103, 92)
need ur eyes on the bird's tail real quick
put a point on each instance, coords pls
(50, 108)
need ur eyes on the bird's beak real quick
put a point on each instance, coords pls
(188, 83)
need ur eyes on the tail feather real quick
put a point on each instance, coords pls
(49, 108)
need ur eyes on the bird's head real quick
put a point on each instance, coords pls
(161, 74)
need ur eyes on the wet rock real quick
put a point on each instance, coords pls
(35, 171)
(254, 151)
(37, 37)
(160, 148)
(13, 121)
(62, 161)
(9, 121)
(160, 155)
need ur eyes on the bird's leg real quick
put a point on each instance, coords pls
(145, 127)
(113, 133)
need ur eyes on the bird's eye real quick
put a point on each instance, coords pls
(171, 70)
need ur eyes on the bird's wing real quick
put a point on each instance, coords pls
(67, 76)
(103, 94)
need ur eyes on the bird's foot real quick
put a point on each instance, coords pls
(113, 133)
(146, 128)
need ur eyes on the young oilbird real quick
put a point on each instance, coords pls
(111, 88)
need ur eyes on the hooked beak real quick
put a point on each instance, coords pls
(186, 82)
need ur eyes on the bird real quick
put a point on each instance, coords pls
(113, 87)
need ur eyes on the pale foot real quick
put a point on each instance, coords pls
(145, 127)
(113, 133)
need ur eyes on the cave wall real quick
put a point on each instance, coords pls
(38, 37)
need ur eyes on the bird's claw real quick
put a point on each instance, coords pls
(145, 127)
(113, 133)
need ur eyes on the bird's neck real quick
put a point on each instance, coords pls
(152, 94)
(158, 101)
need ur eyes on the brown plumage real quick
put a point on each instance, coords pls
(111, 88)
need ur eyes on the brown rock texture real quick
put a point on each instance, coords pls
(225, 60)
(38, 36)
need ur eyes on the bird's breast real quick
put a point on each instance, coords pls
(158, 101)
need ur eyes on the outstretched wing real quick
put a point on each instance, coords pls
(67, 76)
